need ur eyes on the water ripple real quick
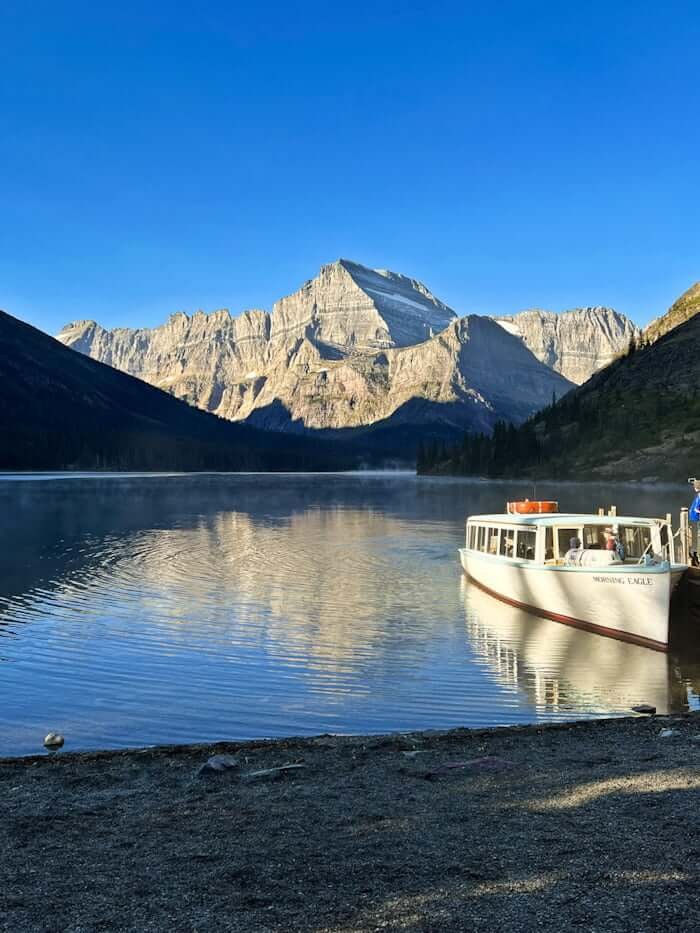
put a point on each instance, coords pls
(187, 611)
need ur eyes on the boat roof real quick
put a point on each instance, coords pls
(563, 518)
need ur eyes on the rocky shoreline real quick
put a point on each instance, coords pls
(591, 824)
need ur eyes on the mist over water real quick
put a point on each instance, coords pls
(151, 609)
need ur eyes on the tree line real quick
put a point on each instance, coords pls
(576, 432)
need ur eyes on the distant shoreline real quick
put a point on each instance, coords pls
(452, 477)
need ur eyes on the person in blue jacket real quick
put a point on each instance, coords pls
(694, 516)
(694, 510)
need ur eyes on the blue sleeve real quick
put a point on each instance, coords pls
(694, 511)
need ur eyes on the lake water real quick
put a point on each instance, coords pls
(138, 610)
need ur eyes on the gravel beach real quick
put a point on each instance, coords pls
(593, 825)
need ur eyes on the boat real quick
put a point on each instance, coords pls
(611, 575)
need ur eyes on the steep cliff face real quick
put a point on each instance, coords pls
(194, 358)
(351, 348)
(574, 343)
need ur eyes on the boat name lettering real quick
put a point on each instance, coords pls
(635, 581)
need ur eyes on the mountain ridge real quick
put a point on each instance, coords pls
(347, 350)
(353, 346)
(683, 309)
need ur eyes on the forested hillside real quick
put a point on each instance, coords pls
(61, 410)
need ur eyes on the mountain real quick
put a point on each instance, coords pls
(351, 307)
(466, 377)
(354, 348)
(574, 343)
(639, 418)
(684, 308)
(62, 410)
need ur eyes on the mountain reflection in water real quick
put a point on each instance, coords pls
(138, 610)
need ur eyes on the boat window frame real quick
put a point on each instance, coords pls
(493, 535)
(665, 548)
(530, 530)
(548, 544)
(507, 530)
(637, 532)
(577, 532)
(544, 539)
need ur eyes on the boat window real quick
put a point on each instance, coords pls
(526, 542)
(564, 536)
(593, 537)
(507, 542)
(492, 547)
(635, 539)
(549, 544)
(481, 539)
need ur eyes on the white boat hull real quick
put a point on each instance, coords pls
(629, 603)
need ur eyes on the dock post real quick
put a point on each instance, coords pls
(613, 510)
(685, 556)
(601, 511)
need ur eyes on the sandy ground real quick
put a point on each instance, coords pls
(593, 826)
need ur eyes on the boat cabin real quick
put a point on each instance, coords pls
(551, 538)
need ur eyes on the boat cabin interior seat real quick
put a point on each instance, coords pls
(593, 558)
(600, 558)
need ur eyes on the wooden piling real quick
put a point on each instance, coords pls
(684, 535)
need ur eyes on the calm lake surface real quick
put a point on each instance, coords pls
(138, 610)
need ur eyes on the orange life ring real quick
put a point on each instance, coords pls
(534, 507)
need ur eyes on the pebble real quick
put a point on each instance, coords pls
(668, 733)
(218, 764)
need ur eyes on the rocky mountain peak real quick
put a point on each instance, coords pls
(350, 306)
(80, 335)
(575, 343)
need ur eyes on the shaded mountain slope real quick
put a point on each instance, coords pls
(62, 410)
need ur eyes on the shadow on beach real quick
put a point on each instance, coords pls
(592, 825)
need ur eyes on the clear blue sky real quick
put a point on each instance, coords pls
(162, 156)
